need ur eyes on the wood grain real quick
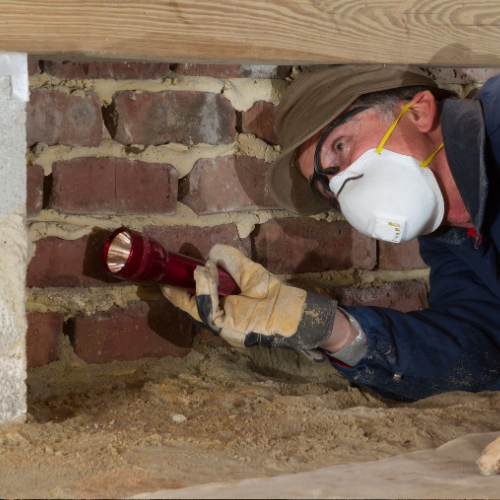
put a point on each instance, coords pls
(440, 32)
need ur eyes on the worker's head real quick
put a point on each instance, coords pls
(334, 123)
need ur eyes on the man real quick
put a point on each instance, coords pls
(369, 140)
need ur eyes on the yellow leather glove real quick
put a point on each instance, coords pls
(267, 312)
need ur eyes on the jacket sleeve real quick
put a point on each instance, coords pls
(454, 345)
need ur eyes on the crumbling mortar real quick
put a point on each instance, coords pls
(181, 157)
(71, 227)
(80, 301)
(356, 278)
(241, 92)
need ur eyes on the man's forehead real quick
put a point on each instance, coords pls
(370, 115)
(309, 143)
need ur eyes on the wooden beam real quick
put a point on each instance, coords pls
(440, 32)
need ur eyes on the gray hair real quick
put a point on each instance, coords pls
(387, 101)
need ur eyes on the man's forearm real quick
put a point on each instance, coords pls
(343, 333)
(347, 340)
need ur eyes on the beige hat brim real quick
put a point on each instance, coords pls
(290, 189)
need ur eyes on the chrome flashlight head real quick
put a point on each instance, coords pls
(119, 251)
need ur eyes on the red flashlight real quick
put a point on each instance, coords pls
(132, 256)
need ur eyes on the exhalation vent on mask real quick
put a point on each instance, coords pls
(388, 228)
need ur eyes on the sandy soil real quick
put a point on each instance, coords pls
(114, 430)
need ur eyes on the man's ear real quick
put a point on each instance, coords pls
(424, 112)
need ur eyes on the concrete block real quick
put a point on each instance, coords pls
(13, 237)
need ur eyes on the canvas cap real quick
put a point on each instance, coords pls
(311, 103)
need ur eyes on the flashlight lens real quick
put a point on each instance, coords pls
(119, 251)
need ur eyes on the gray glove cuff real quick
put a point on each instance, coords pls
(314, 329)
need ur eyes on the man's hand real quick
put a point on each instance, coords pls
(267, 312)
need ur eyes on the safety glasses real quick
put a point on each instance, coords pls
(322, 156)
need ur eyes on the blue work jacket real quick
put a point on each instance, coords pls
(454, 344)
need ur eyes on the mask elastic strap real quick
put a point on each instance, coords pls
(380, 147)
(425, 163)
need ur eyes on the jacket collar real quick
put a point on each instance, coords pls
(462, 126)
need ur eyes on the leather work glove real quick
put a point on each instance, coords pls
(267, 312)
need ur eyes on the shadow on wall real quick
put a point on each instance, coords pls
(299, 245)
(92, 260)
(162, 314)
(150, 326)
(191, 251)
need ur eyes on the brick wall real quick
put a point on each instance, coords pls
(179, 152)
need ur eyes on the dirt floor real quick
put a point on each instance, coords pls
(115, 430)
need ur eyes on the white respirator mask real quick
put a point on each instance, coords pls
(390, 196)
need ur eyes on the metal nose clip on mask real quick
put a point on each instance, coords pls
(390, 196)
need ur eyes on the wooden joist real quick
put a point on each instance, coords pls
(440, 32)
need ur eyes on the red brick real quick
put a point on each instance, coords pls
(84, 185)
(69, 263)
(402, 296)
(68, 70)
(33, 68)
(58, 118)
(113, 186)
(227, 184)
(364, 251)
(197, 241)
(153, 329)
(34, 185)
(78, 263)
(298, 245)
(393, 256)
(171, 116)
(259, 120)
(232, 70)
(44, 337)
